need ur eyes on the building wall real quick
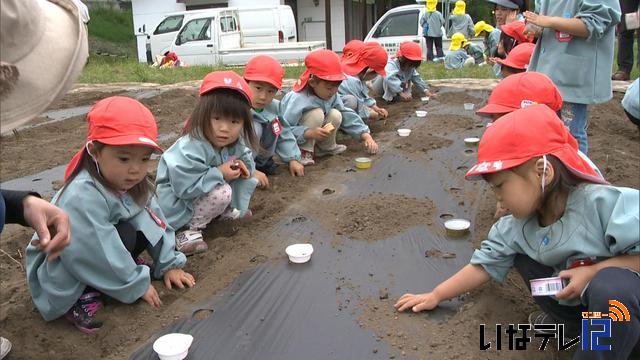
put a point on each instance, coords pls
(311, 22)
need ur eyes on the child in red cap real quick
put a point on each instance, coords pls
(114, 217)
(207, 173)
(360, 68)
(264, 75)
(519, 91)
(401, 73)
(315, 112)
(511, 36)
(517, 61)
(561, 216)
(351, 49)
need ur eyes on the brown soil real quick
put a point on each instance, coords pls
(236, 247)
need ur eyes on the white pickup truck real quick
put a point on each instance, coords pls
(214, 38)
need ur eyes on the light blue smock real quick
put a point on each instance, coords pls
(188, 170)
(359, 89)
(631, 100)
(96, 256)
(397, 81)
(285, 144)
(297, 103)
(435, 21)
(599, 221)
(580, 68)
(455, 59)
(462, 24)
(491, 43)
(475, 51)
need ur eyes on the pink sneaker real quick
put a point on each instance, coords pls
(190, 242)
(306, 158)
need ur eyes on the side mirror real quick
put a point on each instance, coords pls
(178, 42)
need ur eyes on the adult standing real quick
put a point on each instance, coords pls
(625, 41)
(506, 11)
(43, 48)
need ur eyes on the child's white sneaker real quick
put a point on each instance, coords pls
(338, 149)
(5, 347)
(190, 242)
(306, 158)
(235, 214)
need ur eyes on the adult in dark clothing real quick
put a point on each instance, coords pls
(625, 42)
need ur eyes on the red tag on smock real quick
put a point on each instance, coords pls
(276, 126)
(563, 37)
(156, 218)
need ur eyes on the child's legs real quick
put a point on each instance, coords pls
(134, 241)
(575, 117)
(268, 142)
(210, 206)
(438, 42)
(429, 41)
(312, 119)
(568, 315)
(335, 118)
(622, 285)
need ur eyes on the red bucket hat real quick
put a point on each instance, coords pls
(410, 50)
(118, 120)
(352, 48)
(521, 90)
(264, 68)
(323, 64)
(515, 29)
(519, 56)
(515, 139)
(372, 55)
(225, 80)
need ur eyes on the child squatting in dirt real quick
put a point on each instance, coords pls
(562, 211)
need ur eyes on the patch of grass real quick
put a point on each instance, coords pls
(102, 70)
(111, 24)
(432, 70)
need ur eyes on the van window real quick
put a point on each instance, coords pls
(194, 30)
(169, 24)
(400, 24)
(228, 23)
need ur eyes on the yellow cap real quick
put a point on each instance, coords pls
(457, 41)
(460, 8)
(481, 26)
(431, 5)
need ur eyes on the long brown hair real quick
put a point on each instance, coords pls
(140, 193)
(224, 103)
(406, 63)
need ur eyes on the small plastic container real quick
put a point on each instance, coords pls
(469, 106)
(472, 141)
(299, 253)
(363, 163)
(421, 113)
(457, 227)
(425, 98)
(404, 132)
(174, 346)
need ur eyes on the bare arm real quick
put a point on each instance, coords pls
(469, 278)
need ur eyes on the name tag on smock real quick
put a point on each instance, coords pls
(156, 218)
(276, 127)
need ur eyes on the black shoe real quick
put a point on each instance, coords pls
(269, 167)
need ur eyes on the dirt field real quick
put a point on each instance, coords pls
(238, 247)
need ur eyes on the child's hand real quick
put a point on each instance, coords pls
(317, 134)
(229, 170)
(179, 278)
(369, 143)
(244, 170)
(382, 112)
(491, 60)
(295, 168)
(263, 180)
(540, 20)
(152, 297)
(430, 94)
(373, 115)
(405, 96)
(579, 277)
(417, 303)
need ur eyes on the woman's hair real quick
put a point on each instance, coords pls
(508, 43)
(141, 192)
(224, 103)
(404, 62)
(512, 70)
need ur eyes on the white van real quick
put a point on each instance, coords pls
(213, 38)
(402, 24)
(258, 25)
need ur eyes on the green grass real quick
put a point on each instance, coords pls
(111, 25)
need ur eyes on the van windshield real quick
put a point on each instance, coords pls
(400, 24)
(169, 24)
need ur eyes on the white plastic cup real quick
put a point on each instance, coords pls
(469, 106)
(299, 253)
(421, 113)
(404, 132)
(457, 227)
(174, 346)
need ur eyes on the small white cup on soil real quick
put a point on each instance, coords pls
(421, 113)
(469, 106)
(404, 132)
(299, 253)
(457, 227)
(173, 346)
